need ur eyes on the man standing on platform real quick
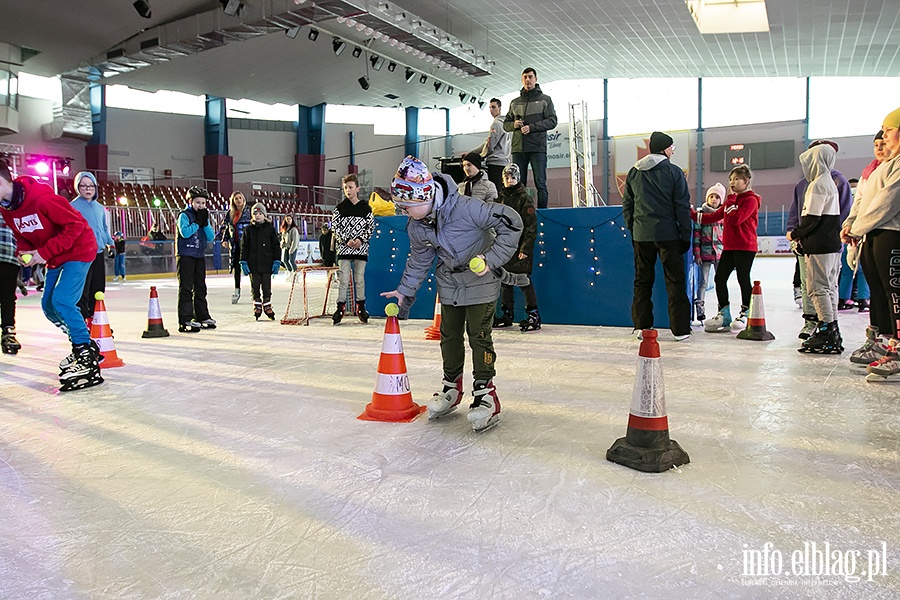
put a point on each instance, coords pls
(495, 150)
(530, 117)
(657, 211)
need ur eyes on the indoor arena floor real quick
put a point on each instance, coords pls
(230, 464)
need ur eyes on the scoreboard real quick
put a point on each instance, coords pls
(756, 155)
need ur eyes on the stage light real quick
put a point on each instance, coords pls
(232, 7)
(472, 101)
(292, 32)
(438, 87)
(123, 200)
(313, 35)
(423, 79)
(377, 62)
(357, 52)
(157, 202)
(41, 167)
(338, 45)
(142, 8)
(450, 90)
(363, 82)
(410, 75)
(392, 66)
(463, 97)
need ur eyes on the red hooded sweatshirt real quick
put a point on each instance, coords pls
(47, 223)
(741, 220)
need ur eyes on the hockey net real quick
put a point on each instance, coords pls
(314, 293)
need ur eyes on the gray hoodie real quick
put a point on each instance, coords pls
(459, 229)
(878, 205)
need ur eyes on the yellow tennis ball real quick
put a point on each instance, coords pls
(26, 258)
(477, 264)
(99, 295)
(392, 310)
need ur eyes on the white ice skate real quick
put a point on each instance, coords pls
(720, 322)
(447, 400)
(740, 322)
(871, 351)
(484, 412)
(236, 295)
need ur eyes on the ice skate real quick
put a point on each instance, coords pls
(798, 297)
(8, 342)
(740, 322)
(84, 372)
(809, 326)
(257, 310)
(447, 400)
(67, 361)
(532, 321)
(191, 326)
(825, 340)
(339, 313)
(887, 368)
(484, 412)
(871, 350)
(505, 319)
(361, 313)
(720, 322)
(236, 295)
(115, 279)
(267, 308)
(208, 323)
(863, 306)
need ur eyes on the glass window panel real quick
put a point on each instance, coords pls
(644, 105)
(850, 106)
(746, 100)
(164, 101)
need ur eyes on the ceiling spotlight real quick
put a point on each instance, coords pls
(463, 97)
(450, 89)
(292, 32)
(438, 87)
(363, 82)
(313, 35)
(410, 74)
(232, 7)
(423, 79)
(472, 100)
(480, 104)
(392, 66)
(377, 62)
(142, 8)
(357, 52)
(338, 45)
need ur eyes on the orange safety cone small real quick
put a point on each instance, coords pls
(756, 320)
(392, 400)
(433, 332)
(646, 445)
(102, 334)
(155, 327)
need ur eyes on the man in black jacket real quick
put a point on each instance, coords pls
(530, 117)
(657, 211)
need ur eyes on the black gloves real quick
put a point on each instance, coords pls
(202, 217)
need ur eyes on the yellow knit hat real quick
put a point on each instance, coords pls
(892, 121)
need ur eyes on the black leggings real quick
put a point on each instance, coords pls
(9, 275)
(880, 262)
(742, 261)
(508, 300)
(236, 264)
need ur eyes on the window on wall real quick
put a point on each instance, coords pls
(250, 109)
(386, 121)
(432, 122)
(645, 105)
(470, 119)
(850, 106)
(164, 101)
(743, 100)
(566, 92)
(35, 86)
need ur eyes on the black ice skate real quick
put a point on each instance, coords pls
(339, 313)
(8, 342)
(504, 319)
(209, 323)
(257, 310)
(825, 340)
(532, 321)
(84, 372)
(267, 308)
(361, 311)
(67, 361)
(484, 412)
(191, 326)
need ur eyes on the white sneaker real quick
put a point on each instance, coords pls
(447, 400)
(682, 338)
(484, 412)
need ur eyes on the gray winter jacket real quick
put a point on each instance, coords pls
(459, 229)
(536, 109)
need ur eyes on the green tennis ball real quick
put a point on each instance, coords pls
(477, 264)
(26, 258)
(99, 295)
(392, 310)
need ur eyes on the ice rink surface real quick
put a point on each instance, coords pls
(230, 464)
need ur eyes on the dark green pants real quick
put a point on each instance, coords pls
(476, 321)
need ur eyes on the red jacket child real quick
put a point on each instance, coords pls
(740, 214)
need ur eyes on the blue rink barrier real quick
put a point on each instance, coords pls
(583, 269)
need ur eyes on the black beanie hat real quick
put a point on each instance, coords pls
(659, 141)
(474, 158)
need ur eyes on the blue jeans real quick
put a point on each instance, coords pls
(289, 260)
(120, 265)
(62, 291)
(845, 283)
(538, 162)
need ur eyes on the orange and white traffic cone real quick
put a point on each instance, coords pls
(433, 332)
(155, 327)
(756, 320)
(102, 334)
(392, 400)
(646, 445)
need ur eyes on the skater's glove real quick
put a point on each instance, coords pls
(276, 266)
(245, 267)
(203, 217)
(111, 251)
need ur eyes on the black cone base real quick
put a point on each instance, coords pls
(648, 460)
(760, 334)
(155, 333)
